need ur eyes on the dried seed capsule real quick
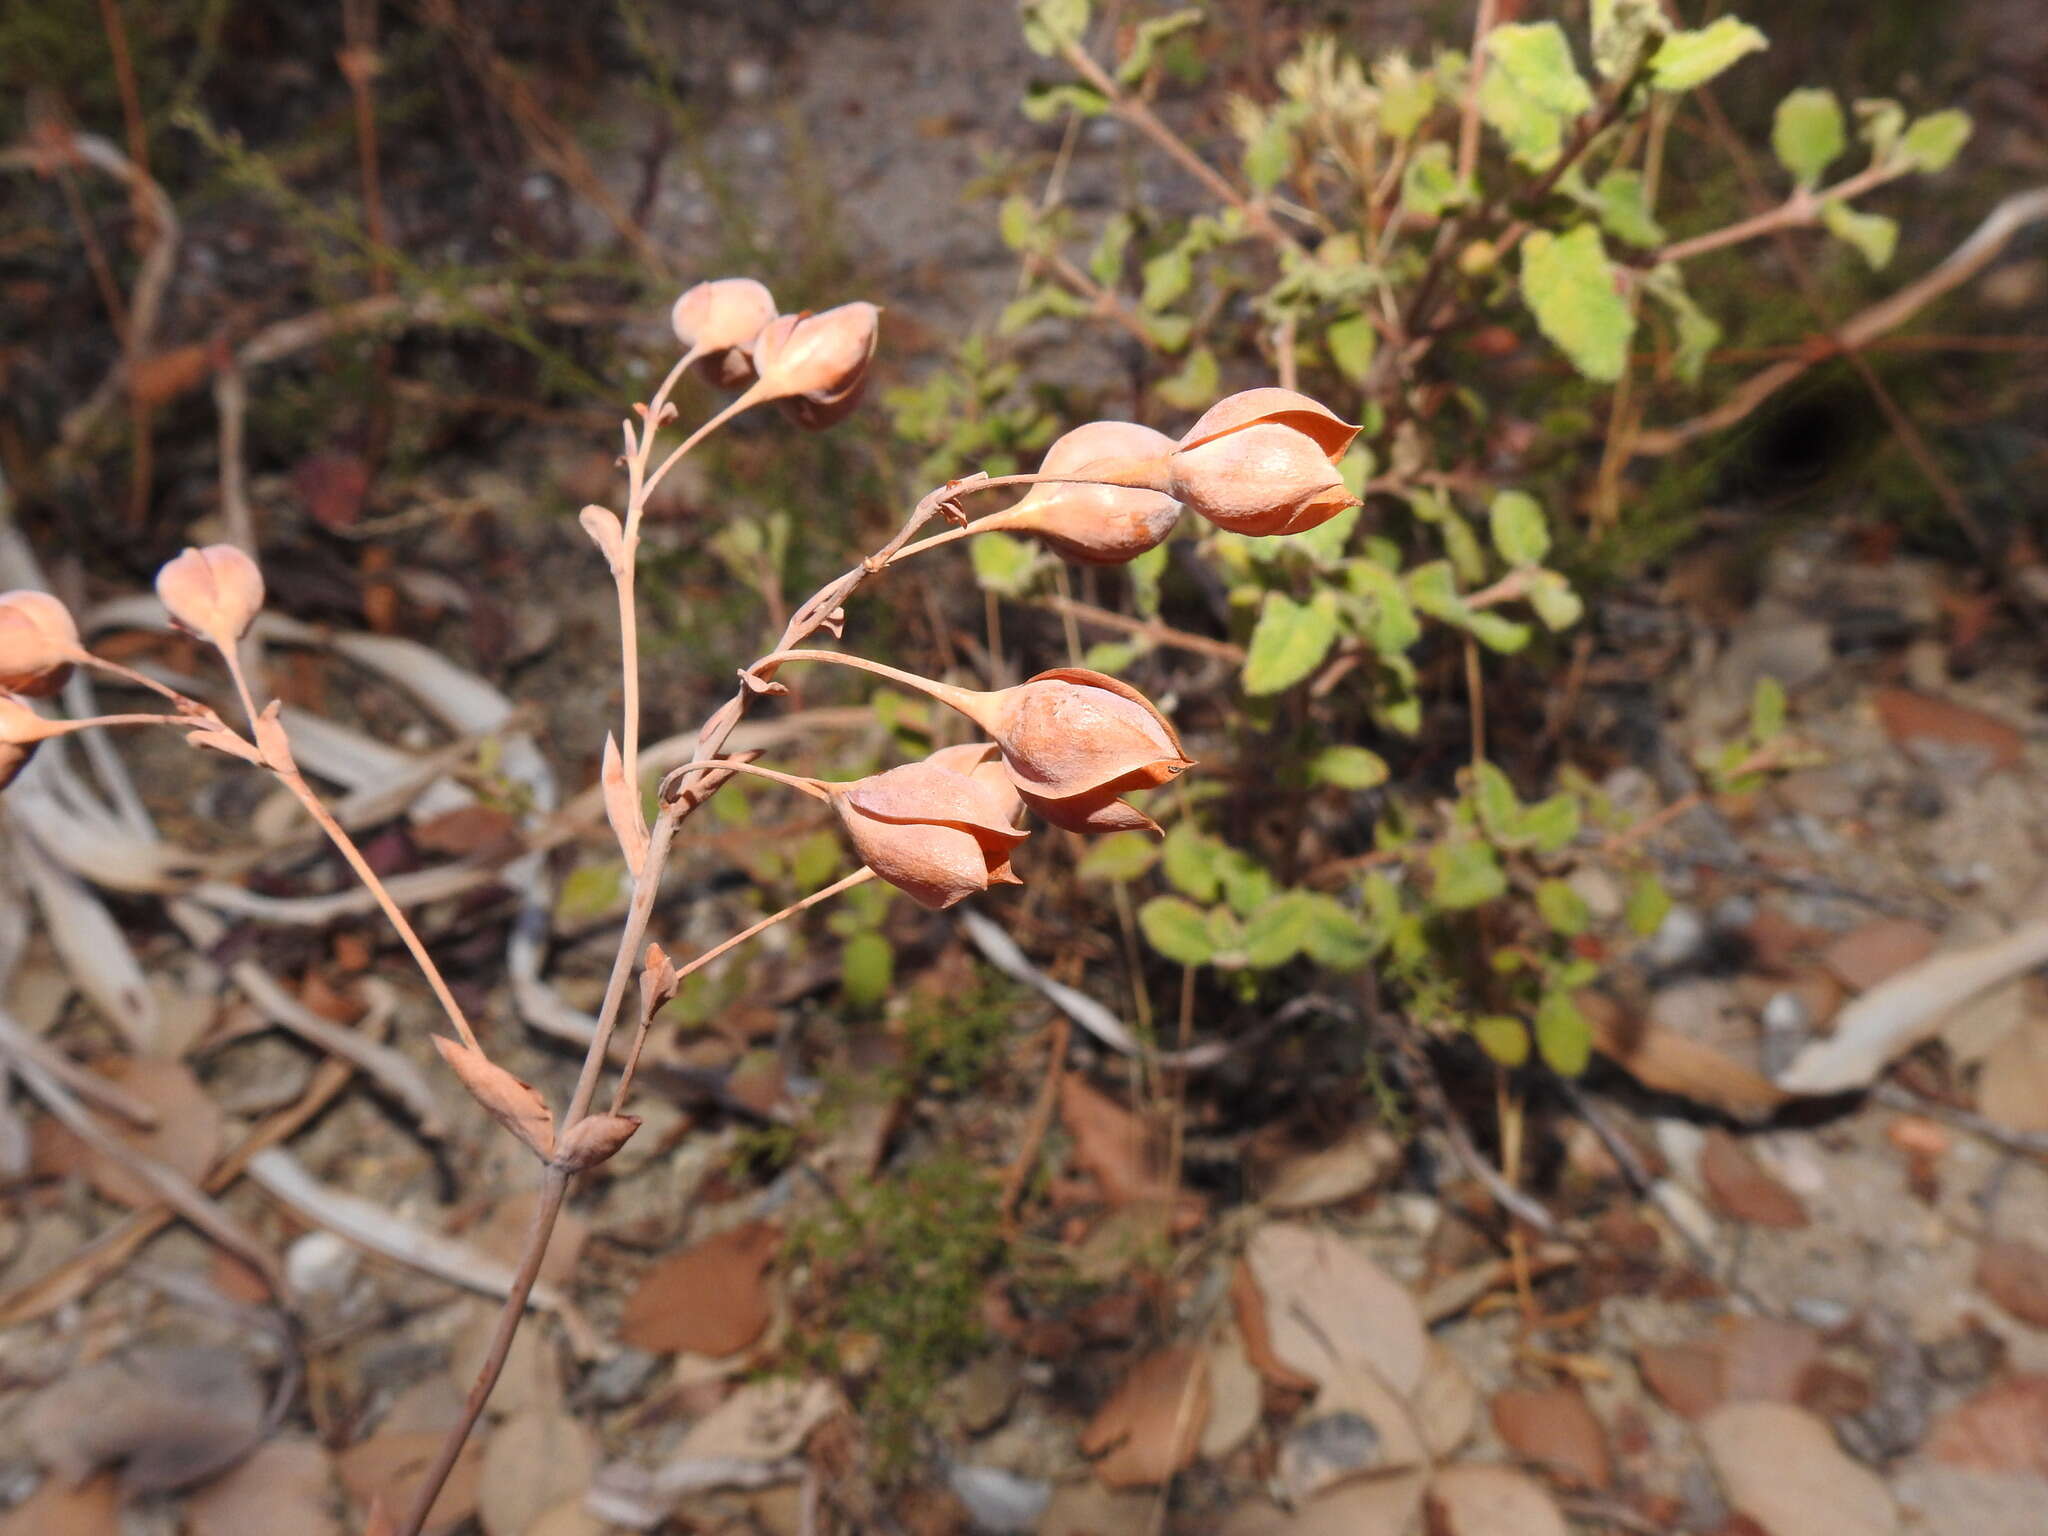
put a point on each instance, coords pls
(1097, 524)
(817, 364)
(935, 832)
(719, 320)
(1260, 479)
(37, 642)
(215, 592)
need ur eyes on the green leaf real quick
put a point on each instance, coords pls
(1019, 223)
(1808, 133)
(1352, 342)
(1048, 24)
(1502, 1038)
(1556, 604)
(1499, 807)
(816, 857)
(1465, 873)
(867, 969)
(1934, 141)
(1564, 1037)
(1563, 909)
(1334, 935)
(1874, 236)
(1169, 333)
(1429, 184)
(1003, 563)
(1766, 709)
(1622, 29)
(1698, 332)
(1381, 614)
(1648, 905)
(1407, 95)
(590, 892)
(1532, 132)
(1880, 122)
(1569, 285)
(1167, 276)
(1111, 655)
(1189, 859)
(1496, 632)
(1146, 38)
(1348, 768)
(1537, 57)
(1044, 103)
(1269, 152)
(1120, 857)
(1226, 938)
(1144, 573)
(1247, 884)
(1195, 387)
(1549, 824)
(1622, 201)
(1289, 642)
(1106, 261)
(1178, 929)
(1519, 531)
(1273, 934)
(1688, 59)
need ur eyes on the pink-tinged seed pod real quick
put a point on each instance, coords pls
(935, 832)
(817, 365)
(1273, 406)
(1074, 741)
(719, 320)
(21, 726)
(1097, 524)
(215, 592)
(1259, 480)
(37, 642)
(980, 761)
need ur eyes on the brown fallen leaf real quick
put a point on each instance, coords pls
(535, 1459)
(1739, 1187)
(1780, 1466)
(1236, 1400)
(1876, 950)
(1446, 1404)
(389, 1467)
(1922, 723)
(1248, 1306)
(187, 1137)
(1491, 1501)
(2004, 1428)
(57, 1508)
(1152, 1424)
(1331, 1311)
(712, 1298)
(1745, 1359)
(1661, 1058)
(1124, 1155)
(1554, 1427)
(2015, 1275)
(286, 1485)
(164, 1416)
(1348, 1167)
(1686, 1378)
(1367, 1506)
(2012, 1088)
(762, 1421)
(161, 377)
(467, 830)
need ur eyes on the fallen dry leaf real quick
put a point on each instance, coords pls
(161, 377)
(1348, 1167)
(762, 1421)
(1248, 1306)
(1330, 1310)
(1235, 1396)
(1554, 1427)
(1117, 1148)
(1151, 1425)
(1447, 1403)
(1662, 1058)
(512, 1103)
(1780, 1466)
(1876, 951)
(56, 1508)
(2012, 1089)
(2004, 1428)
(1089, 1509)
(534, 1460)
(1685, 1377)
(164, 1416)
(285, 1485)
(712, 1298)
(1491, 1501)
(1738, 1186)
(569, 1518)
(1923, 724)
(1745, 1359)
(389, 1467)
(467, 830)
(187, 1137)
(1368, 1506)
(2015, 1275)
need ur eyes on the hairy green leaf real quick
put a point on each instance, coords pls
(1537, 57)
(1049, 24)
(1429, 184)
(1289, 642)
(1563, 908)
(1934, 141)
(1622, 30)
(1003, 563)
(1564, 1037)
(1178, 929)
(1146, 38)
(1465, 872)
(1569, 285)
(1348, 768)
(1044, 103)
(1502, 1038)
(1352, 340)
(1119, 857)
(1189, 859)
(1556, 604)
(1519, 530)
(1808, 133)
(1622, 202)
(1407, 95)
(1873, 235)
(1688, 59)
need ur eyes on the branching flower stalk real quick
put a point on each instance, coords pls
(1067, 744)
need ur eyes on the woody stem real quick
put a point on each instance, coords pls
(698, 962)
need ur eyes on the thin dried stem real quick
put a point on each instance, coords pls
(812, 787)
